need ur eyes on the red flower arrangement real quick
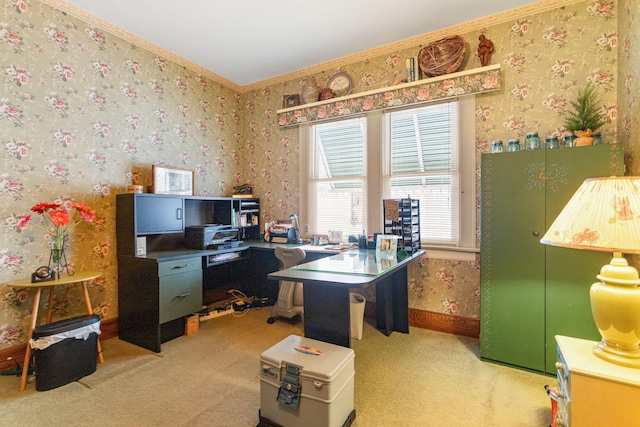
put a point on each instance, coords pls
(58, 221)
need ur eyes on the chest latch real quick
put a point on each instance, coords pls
(289, 392)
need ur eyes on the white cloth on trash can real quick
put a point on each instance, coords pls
(82, 333)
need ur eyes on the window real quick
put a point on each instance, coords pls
(338, 180)
(420, 159)
(349, 166)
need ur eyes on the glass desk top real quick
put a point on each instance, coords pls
(351, 262)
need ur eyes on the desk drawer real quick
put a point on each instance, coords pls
(179, 266)
(180, 295)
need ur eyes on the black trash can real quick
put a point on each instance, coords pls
(65, 351)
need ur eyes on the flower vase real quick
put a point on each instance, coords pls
(57, 253)
(310, 91)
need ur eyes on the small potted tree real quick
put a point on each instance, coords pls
(586, 116)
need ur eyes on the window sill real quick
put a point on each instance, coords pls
(453, 254)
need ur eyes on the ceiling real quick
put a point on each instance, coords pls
(248, 41)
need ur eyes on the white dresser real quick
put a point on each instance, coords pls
(592, 392)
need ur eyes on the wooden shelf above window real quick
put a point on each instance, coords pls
(477, 80)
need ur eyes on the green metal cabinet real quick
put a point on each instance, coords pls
(531, 292)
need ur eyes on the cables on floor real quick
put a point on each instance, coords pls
(241, 303)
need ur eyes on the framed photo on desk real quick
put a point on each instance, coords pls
(386, 246)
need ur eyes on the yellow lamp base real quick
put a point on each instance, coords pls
(617, 356)
(615, 305)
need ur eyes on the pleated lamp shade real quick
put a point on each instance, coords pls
(603, 215)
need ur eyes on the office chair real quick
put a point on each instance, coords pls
(290, 303)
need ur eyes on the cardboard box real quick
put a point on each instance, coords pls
(191, 324)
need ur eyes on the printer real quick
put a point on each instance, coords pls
(211, 236)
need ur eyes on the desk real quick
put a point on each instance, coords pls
(326, 292)
(78, 277)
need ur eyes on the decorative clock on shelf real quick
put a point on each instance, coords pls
(341, 84)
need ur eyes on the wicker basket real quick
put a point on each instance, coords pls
(442, 57)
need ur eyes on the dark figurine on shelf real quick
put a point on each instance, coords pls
(485, 48)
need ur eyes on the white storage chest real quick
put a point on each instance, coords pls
(325, 375)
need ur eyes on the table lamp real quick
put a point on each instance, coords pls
(604, 215)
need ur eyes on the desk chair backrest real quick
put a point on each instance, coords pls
(290, 301)
(290, 256)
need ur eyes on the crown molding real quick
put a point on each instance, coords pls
(418, 41)
(475, 25)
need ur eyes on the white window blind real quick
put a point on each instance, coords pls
(337, 182)
(421, 161)
(348, 167)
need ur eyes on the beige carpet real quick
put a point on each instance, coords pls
(122, 357)
(424, 378)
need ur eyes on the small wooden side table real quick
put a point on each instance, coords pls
(65, 279)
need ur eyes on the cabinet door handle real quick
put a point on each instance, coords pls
(186, 294)
(178, 267)
(536, 233)
(179, 213)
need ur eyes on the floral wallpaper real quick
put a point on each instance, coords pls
(83, 114)
(629, 88)
(546, 59)
(628, 84)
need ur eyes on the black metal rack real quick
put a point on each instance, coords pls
(402, 218)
